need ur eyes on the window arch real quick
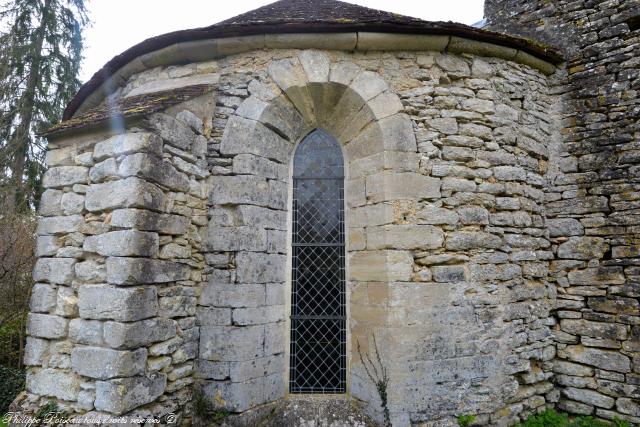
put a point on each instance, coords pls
(318, 300)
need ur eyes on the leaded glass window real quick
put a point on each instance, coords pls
(318, 313)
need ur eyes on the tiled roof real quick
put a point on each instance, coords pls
(307, 16)
(128, 108)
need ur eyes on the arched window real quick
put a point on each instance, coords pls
(318, 306)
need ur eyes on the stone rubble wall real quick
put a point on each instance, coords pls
(112, 326)
(593, 198)
(448, 253)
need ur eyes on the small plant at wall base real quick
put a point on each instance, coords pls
(378, 375)
(466, 420)
(551, 418)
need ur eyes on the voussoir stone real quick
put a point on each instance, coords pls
(123, 243)
(126, 193)
(132, 271)
(121, 395)
(117, 303)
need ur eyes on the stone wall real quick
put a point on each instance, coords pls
(448, 254)
(112, 326)
(448, 250)
(592, 198)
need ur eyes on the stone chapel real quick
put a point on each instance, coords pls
(317, 213)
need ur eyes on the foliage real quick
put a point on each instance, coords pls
(377, 373)
(11, 383)
(16, 264)
(205, 411)
(219, 415)
(466, 420)
(40, 55)
(551, 418)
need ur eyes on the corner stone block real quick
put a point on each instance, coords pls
(43, 298)
(150, 221)
(59, 224)
(121, 395)
(138, 334)
(386, 186)
(154, 169)
(47, 326)
(54, 270)
(120, 304)
(134, 271)
(54, 383)
(64, 176)
(104, 363)
(35, 351)
(376, 266)
(126, 193)
(123, 243)
(127, 143)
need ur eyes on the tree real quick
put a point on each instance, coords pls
(40, 55)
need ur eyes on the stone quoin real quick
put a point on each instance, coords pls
(478, 191)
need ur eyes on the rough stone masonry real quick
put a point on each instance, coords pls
(490, 210)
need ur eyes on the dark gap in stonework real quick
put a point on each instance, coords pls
(634, 23)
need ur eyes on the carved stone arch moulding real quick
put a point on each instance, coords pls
(357, 107)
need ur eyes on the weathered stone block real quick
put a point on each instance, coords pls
(243, 136)
(448, 273)
(59, 224)
(54, 383)
(231, 343)
(154, 169)
(128, 143)
(250, 190)
(104, 170)
(221, 294)
(88, 332)
(404, 237)
(594, 329)
(604, 359)
(465, 240)
(43, 298)
(117, 303)
(589, 397)
(149, 221)
(564, 227)
(385, 186)
(249, 164)
(123, 243)
(253, 267)
(121, 395)
(615, 305)
(138, 334)
(582, 248)
(132, 271)
(127, 193)
(50, 203)
(46, 326)
(66, 302)
(104, 363)
(177, 306)
(385, 265)
(35, 351)
(65, 176)
(175, 251)
(262, 217)
(597, 276)
(54, 270)
(172, 131)
(245, 238)
(90, 271)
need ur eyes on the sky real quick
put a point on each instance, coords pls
(120, 24)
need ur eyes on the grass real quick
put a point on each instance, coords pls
(551, 418)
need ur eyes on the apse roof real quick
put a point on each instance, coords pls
(308, 16)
